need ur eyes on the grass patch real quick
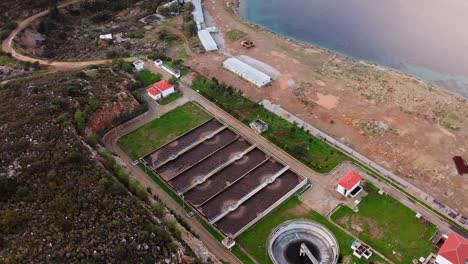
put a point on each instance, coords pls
(162, 130)
(166, 188)
(241, 255)
(255, 239)
(410, 195)
(388, 226)
(9, 61)
(308, 149)
(236, 34)
(147, 77)
(210, 228)
(183, 54)
(171, 98)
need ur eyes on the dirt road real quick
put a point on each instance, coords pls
(425, 127)
(7, 46)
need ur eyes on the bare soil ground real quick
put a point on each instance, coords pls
(405, 125)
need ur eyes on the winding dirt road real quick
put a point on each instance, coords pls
(110, 140)
(7, 46)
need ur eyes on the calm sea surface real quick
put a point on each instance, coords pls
(425, 38)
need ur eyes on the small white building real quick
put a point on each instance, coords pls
(139, 65)
(160, 90)
(154, 93)
(106, 36)
(247, 72)
(207, 40)
(170, 70)
(350, 184)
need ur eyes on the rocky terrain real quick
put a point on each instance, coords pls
(19, 9)
(60, 201)
(73, 33)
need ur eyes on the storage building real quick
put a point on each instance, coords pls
(247, 72)
(198, 14)
(207, 40)
(350, 184)
(160, 90)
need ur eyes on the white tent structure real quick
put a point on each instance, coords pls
(207, 40)
(247, 72)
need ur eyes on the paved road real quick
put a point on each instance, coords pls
(441, 223)
(110, 141)
(7, 46)
(319, 186)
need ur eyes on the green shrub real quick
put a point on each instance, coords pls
(174, 229)
(236, 34)
(158, 209)
(80, 121)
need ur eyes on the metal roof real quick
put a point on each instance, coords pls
(198, 12)
(247, 72)
(207, 40)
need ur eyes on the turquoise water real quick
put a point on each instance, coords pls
(425, 38)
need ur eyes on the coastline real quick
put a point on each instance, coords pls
(235, 8)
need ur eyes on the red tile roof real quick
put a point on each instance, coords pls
(163, 85)
(455, 249)
(349, 180)
(153, 91)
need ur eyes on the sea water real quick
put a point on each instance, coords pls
(425, 38)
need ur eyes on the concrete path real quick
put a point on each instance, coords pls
(441, 223)
(110, 141)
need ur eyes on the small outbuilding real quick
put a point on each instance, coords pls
(453, 251)
(259, 126)
(106, 37)
(165, 87)
(160, 90)
(154, 93)
(247, 72)
(350, 184)
(139, 65)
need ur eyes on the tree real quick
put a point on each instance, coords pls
(189, 7)
(174, 7)
(93, 139)
(188, 16)
(158, 209)
(173, 80)
(80, 120)
(7, 188)
(300, 149)
(163, 11)
(190, 28)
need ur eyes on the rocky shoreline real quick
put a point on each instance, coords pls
(235, 6)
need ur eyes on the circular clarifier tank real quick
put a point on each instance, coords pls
(302, 241)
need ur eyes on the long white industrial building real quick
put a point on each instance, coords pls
(207, 40)
(204, 35)
(247, 72)
(198, 14)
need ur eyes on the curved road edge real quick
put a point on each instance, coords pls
(7, 45)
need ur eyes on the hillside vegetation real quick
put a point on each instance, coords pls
(58, 203)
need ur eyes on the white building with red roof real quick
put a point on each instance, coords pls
(350, 184)
(154, 93)
(453, 251)
(160, 90)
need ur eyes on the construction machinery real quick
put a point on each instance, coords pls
(247, 44)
